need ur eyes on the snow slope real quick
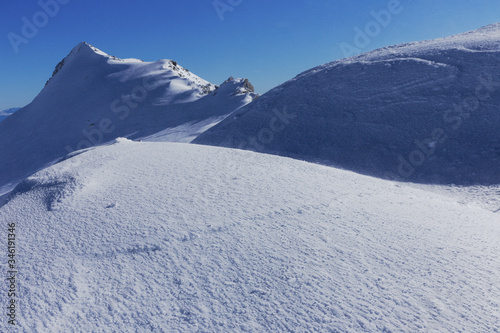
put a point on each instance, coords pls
(423, 112)
(175, 237)
(93, 98)
(5, 113)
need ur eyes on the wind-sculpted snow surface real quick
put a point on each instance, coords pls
(423, 112)
(172, 237)
(93, 98)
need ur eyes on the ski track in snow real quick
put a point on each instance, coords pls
(170, 237)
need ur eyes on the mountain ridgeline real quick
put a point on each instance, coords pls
(93, 98)
(423, 112)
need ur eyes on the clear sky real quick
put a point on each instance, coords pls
(268, 42)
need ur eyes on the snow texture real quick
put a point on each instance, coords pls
(174, 237)
(424, 112)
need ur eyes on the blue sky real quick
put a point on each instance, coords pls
(268, 42)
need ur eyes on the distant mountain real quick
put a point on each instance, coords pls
(93, 98)
(6, 113)
(423, 112)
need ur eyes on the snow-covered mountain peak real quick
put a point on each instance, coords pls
(237, 86)
(396, 112)
(82, 55)
(86, 48)
(85, 52)
(484, 39)
(493, 29)
(93, 97)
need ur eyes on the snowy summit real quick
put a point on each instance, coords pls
(423, 112)
(93, 98)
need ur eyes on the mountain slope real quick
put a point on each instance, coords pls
(183, 238)
(422, 112)
(5, 113)
(93, 98)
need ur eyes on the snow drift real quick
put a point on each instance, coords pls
(93, 98)
(421, 112)
(173, 237)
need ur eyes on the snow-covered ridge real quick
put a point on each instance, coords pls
(176, 75)
(171, 237)
(93, 97)
(485, 39)
(422, 112)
